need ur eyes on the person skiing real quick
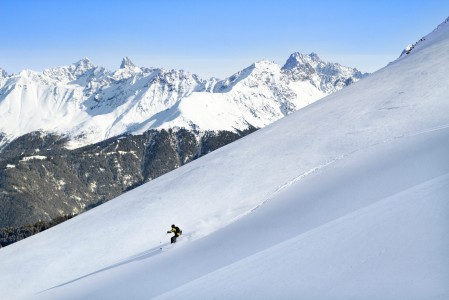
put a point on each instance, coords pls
(176, 231)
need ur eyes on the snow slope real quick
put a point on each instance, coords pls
(344, 199)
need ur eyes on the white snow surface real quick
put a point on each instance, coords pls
(88, 104)
(345, 199)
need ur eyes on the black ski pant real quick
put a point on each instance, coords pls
(173, 239)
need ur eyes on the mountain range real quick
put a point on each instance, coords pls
(89, 104)
(76, 136)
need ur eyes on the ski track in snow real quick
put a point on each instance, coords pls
(147, 254)
(280, 188)
(428, 130)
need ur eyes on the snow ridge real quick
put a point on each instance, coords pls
(440, 30)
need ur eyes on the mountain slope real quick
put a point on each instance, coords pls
(345, 198)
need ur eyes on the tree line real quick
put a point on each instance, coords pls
(10, 235)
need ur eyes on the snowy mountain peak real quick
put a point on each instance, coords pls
(256, 68)
(84, 64)
(127, 63)
(264, 64)
(314, 56)
(261, 67)
(3, 73)
(82, 68)
(253, 76)
(128, 69)
(326, 76)
(298, 60)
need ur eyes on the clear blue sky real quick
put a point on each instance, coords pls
(210, 38)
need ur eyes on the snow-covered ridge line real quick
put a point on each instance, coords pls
(88, 103)
(409, 48)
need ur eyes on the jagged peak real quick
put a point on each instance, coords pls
(3, 73)
(80, 66)
(71, 72)
(127, 63)
(84, 63)
(297, 59)
(314, 56)
(300, 55)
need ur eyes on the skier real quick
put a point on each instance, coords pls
(176, 231)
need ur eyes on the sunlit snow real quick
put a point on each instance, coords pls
(345, 199)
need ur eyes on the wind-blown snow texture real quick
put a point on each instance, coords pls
(90, 104)
(344, 199)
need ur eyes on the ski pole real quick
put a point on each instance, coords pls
(163, 238)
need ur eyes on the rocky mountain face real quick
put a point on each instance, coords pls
(74, 137)
(327, 77)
